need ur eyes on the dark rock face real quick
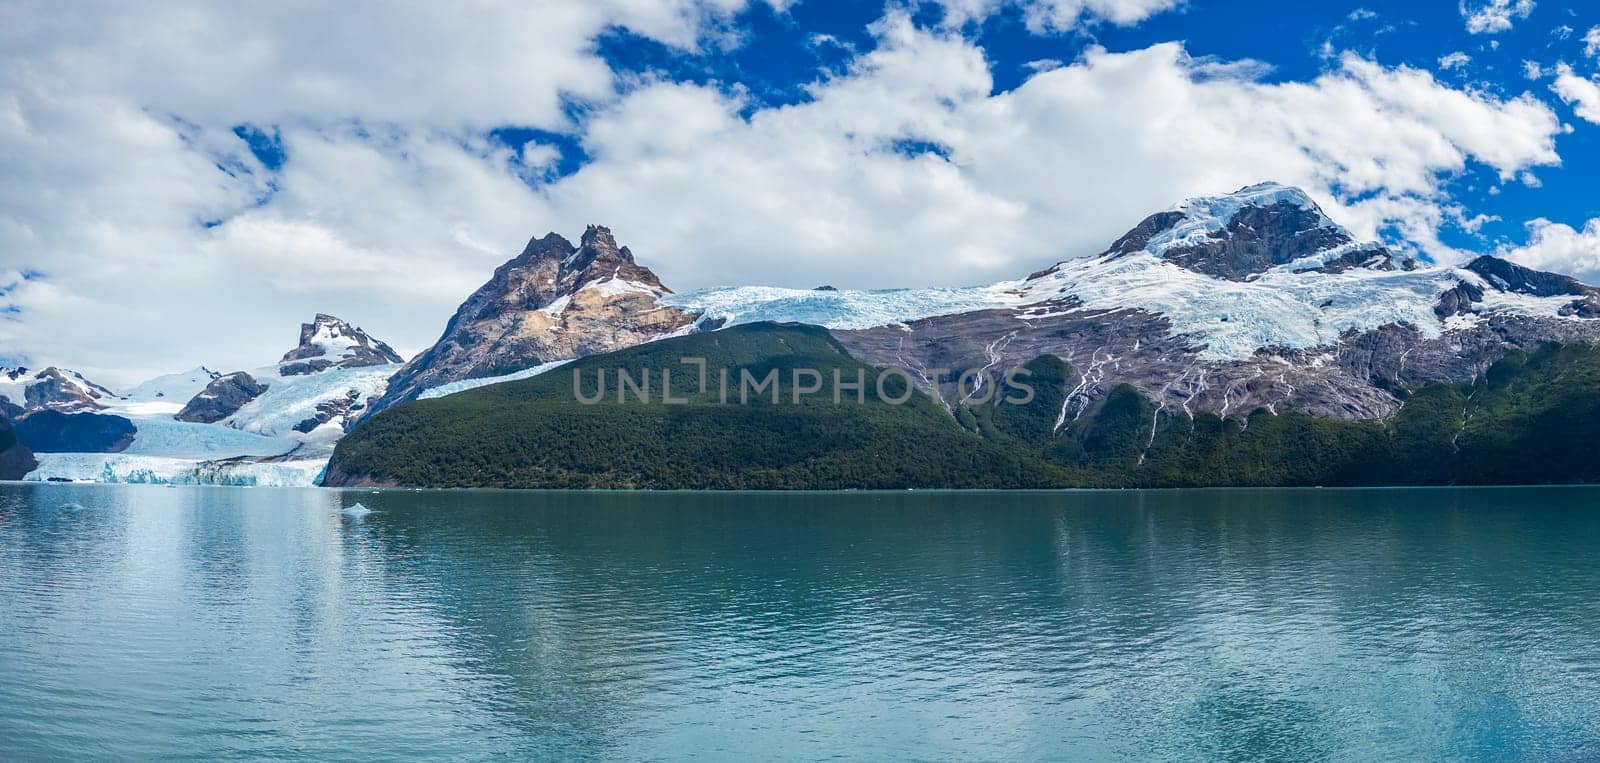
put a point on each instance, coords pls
(15, 458)
(1137, 239)
(328, 342)
(8, 409)
(57, 432)
(1356, 378)
(551, 302)
(328, 410)
(1259, 238)
(59, 390)
(1511, 277)
(222, 398)
(1369, 258)
(1458, 300)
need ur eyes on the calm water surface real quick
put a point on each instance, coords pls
(143, 622)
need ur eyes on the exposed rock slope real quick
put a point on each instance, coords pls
(1248, 301)
(553, 301)
(328, 342)
(53, 388)
(222, 398)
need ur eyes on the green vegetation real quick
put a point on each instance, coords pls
(534, 433)
(1526, 421)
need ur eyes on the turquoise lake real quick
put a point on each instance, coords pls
(196, 623)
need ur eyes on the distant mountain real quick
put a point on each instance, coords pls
(221, 398)
(1208, 334)
(554, 301)
(56, 389)
(176, 387)
(1254, 299)
(327, 342)
(275, 424)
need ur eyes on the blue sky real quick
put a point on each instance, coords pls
(187, 183)
(779, 54)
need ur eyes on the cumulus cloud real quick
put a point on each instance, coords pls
(1494, 16)
(1581, 92)
(120, 159)
(160, 240)
(909, 170)
(1591, 42)
(1454, 60)
(1558, 247)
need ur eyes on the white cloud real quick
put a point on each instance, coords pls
(116, 145)
(1455, 60)
(1561, 248)
(1494, 16)
(1582, 93)
(1591, 42)
(815, 192)
(906, 169)
(1533, 70)
(1058, 15)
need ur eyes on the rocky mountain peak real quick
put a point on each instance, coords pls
(1240, 235)
(222, 398)
(53, 388)
(1506, 276)
(328, 342)
(551, 302)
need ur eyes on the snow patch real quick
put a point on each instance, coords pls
(466, 384)
(843, 309)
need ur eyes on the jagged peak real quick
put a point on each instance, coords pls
(596, 245)
(328, 341)
(548, 245)
(598, 235)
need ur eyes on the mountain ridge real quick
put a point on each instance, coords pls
(551, 302)
(1223, 306)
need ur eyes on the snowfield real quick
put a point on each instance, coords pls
(842, 309)
(290, 400)
(466, 384)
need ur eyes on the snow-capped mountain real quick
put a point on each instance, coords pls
(552, 302)
(171, 388)
(327, 342)
(1254, 299)
(57, 389)
(270, 425)
(1231, 304)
